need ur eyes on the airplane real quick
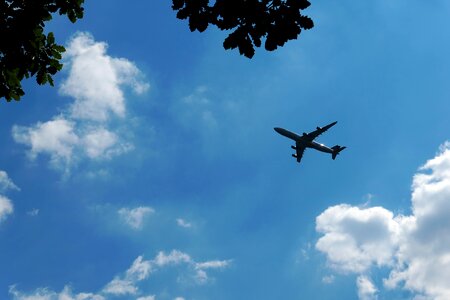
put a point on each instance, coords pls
(307, 141)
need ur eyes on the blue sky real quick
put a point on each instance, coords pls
(151, 170)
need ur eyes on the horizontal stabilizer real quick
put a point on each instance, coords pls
(336, 150)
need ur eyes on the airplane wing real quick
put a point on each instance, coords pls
(299, 149)
(314, 134)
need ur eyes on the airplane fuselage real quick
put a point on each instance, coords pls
(299, 139)
(307, 141)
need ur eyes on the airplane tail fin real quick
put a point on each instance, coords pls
(336, 150)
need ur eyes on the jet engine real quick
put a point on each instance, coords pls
(294, 155)
(293, 147)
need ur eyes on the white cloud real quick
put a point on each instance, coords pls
(6, 207)
(183, 223)
(126, 285)
(6, 183)
(213, 264)
(139, 270)
(201, 277)
(34, 212)
(39, 294)
(176, 257)
(424, 254)
(135, 217)
(47, 294)
(120, 287)
(102, 143)
(366, 289)
(96, 79)
(197, 108)
(173, 258)
(355, 238)
(56, 138)
(96, 82)
(152, 297)
(328, 279)
(415, 247)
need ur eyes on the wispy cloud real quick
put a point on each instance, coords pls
(6, 183)
(34, 212)
(196, 108)
(84, 130)
(6, 205)
(126, 285)
(152, 297)
(173, 258)
(135, 217)
(328, 279)
(47, 294)
(415, 247)
(141, 270)
(212, 264)
(183, 223)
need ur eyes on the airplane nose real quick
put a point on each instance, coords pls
(277, 129)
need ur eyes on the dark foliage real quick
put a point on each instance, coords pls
(25, 50)
(251, 20)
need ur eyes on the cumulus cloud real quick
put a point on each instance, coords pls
(366, 289)
(99, 142)
(96, 79)
(416, 248)
(354, 239)
(55, 138)
(6, 207)
(96, 82)
(135, 217)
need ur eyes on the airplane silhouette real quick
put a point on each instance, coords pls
(307, 141)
